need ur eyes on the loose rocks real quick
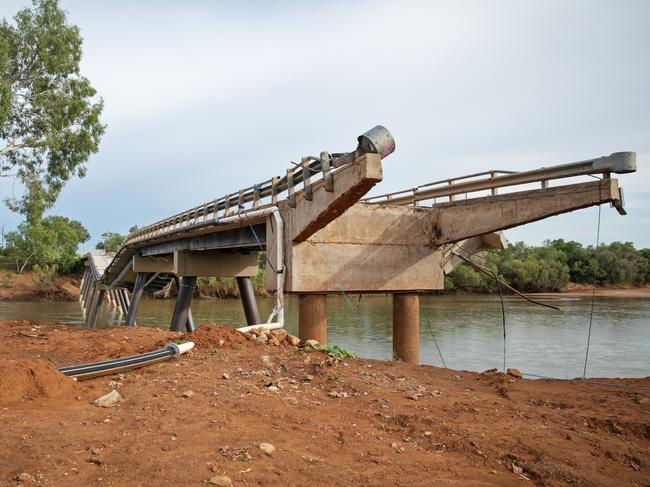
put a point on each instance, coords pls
(514, 373)
(221, 481)
(267, 448)
(108, 400)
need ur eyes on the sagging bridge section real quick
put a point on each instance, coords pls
(321, 237)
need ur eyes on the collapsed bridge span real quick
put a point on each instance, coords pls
(321, 237)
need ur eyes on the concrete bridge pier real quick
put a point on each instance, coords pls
(84, 285)
(247, 295)
(85, 290)
(95, 307)
(182, 319)
(406, 327)
(89, 302)
(138, 288)
(312, 317)
(119, 297)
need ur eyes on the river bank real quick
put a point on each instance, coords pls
(354, 422)
(27, 287)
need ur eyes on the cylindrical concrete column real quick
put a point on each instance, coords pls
(183, 302)
(89, 303)
(138, 288)
(247, 295)
(406, 327)
(94, 312)
(312, 317)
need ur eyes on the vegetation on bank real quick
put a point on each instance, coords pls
(552, 266)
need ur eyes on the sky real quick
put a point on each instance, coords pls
(203, 98)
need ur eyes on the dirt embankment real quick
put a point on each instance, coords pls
(613, 291)
(352, 422)
(27, 287)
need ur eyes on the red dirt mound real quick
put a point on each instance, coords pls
(210, 335)
(32, 379)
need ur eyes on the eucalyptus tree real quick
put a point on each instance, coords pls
(49, 113)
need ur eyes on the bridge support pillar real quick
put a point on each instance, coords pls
(88, 282)
(94, 310)
(182, 312)
(121, 297)
(190, 321)
(312, 317)
(248, 300)
(138, 287)
(406, 327)
(89, 302)
(83, 285)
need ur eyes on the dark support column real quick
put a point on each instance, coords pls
(183, 301)
(406, 327)
(248, 300)
(88, 304)
(121, 299)
(190, 321)
(86, 287)
(140, 280)
(312, 317)
(91, 285)
(94, 312)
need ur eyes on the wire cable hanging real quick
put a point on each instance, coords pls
(593, 293)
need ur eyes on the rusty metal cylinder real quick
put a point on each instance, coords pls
(406, 327)
(377, 140)
(312, 317)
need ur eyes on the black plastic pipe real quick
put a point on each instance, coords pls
(114, 366)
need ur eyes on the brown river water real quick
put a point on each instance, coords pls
(467, 329)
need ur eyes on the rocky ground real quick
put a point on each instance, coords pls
(236, 411)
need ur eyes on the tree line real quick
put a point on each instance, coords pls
(551, 266)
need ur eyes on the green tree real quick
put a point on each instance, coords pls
(49, 244)
(620, 262)
(581, 260)
(49, 113)
(645, 253)
(111, 242)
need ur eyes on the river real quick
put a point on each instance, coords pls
(467, 329)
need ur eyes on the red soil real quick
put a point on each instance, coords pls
(25, 287)
(356, 422)
(33, 379)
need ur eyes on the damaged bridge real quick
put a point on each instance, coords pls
(321, 236)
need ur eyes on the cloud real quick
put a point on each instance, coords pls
(203, 98)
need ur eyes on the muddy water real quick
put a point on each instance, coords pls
(467, 329)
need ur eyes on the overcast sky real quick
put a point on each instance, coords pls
(202, 98)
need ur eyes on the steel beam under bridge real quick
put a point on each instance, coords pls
(249, 237)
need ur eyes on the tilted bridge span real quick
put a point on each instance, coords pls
(321, 236)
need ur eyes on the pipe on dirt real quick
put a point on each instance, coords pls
(114, 366)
